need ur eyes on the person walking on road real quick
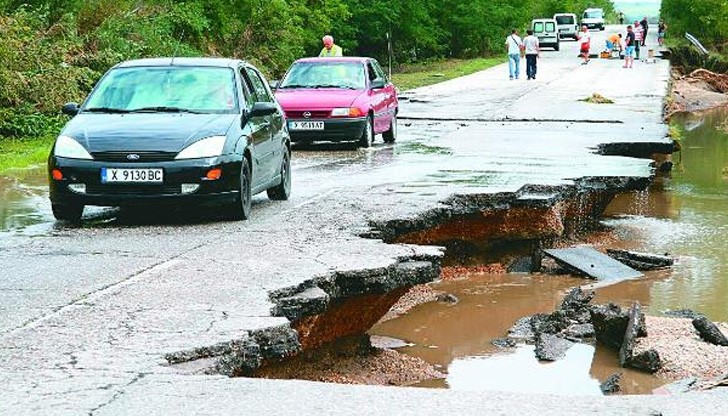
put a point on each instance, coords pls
(644, 24)
(514, 45)
(629, 46)
(621, 17)
(637, 29)
(584, 44)
(661, 28)
(330, 49)
(532, 50)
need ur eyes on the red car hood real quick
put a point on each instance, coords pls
(316, 99)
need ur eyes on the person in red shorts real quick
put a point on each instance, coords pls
(584, 44)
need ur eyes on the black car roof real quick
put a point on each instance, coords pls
(209, 62)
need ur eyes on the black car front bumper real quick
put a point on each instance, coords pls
(335, 130)
(176, 173)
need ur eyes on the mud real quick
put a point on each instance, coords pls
(693, 95)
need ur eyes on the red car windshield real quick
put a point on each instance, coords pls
(348, 75)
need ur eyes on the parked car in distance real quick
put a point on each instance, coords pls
(566, 24)
(172, 131)
(545, 30)
(338, 99)
(593, 18)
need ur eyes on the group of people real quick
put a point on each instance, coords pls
(635, 37)
(527, 47)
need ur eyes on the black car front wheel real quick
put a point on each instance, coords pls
(240, 209)
(282, 191)
(70, 213)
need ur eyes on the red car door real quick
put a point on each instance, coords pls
(380, 97)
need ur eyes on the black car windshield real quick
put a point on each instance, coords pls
(165, 89)
(348, 75)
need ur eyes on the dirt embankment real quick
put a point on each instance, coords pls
(698, 91)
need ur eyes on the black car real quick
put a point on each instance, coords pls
(172, 131)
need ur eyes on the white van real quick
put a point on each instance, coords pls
(545, 31)
(567, 25)
(593, 18)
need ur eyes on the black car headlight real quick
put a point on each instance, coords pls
(209, 147)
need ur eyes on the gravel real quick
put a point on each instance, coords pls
(682, 351)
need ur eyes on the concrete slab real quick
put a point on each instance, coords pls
(592, 263)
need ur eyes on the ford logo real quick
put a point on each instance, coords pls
(307, 114)
(133, 156)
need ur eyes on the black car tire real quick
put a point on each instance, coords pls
(390, 135)
(240, 209)
(367, 136)
(556, 47)
(70, 213)
(282, 191)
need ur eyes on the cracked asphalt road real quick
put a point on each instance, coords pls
(87, 314)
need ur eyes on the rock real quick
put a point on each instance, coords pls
(677, 387)
(648, 361)
(579, 331)
(553, 323)
(641, 261)
(522, 330)
(551, 348)
(521, 265)
(448, 298)
(681, 313)
(610, 324)
(504, 342)
(709, 331)
(635, 329)
(611, 384)
(577, 299)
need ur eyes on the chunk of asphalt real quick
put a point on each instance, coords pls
(677, 387)
(522, 330)
(551, 348)
(648, 361)
(709, 332)
(681, 313)
(611, 384)
(592, 263)
(579, 331)
(309, 302)
(641, 261)
(610, 324)
(635, 329)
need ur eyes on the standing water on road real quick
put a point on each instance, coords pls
(685, 215)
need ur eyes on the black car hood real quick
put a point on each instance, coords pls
(146, 132)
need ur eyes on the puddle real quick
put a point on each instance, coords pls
(457, 338)
(685, 215)
(24, 201)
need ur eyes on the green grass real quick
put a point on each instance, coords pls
(421, 74)
(22, 153)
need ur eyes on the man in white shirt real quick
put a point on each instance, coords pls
(532, 49)
(514, 45)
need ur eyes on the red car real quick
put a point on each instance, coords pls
(338, 99)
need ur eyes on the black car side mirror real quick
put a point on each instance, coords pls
(273, 84)
(261, 109)
(70, 109)
(377, 83)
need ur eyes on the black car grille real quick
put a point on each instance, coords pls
(135, 156)
(128, 189)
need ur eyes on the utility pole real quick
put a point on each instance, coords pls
(389, 52)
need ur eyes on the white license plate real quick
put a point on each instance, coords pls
(305, 125)
(150, 175)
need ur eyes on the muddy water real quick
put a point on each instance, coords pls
(685, 214)
(24, 200)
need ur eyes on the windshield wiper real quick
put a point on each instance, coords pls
(163, 109)
(294, 86)
(345, 87)
(104, 110)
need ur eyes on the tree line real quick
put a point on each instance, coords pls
(52, 51)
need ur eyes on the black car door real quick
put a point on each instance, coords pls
(268, 150)
(259, 133)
